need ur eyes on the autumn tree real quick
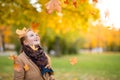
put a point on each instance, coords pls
(63, 24)
(101, 36)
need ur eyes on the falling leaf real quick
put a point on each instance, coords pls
(26, 67)
(33, 47)
(12, 57)
(107, 14)
(22, 32)
(73, 60)
(66, 2)
(17, 67)
(74, 3)
(34, 27)
(95, 1)
(53, 5)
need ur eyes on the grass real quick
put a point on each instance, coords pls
(6, 68)
(88, 67)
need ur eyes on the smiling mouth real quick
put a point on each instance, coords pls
(35, 40)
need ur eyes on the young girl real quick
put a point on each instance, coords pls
(33, 63)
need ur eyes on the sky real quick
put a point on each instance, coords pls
(112, 7)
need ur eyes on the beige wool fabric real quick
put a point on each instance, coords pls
(32, 74)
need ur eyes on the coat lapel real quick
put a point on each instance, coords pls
(31, 62)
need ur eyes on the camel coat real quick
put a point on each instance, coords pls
(32, 74)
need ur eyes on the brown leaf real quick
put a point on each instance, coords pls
(95, 1)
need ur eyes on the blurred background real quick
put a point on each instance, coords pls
(84, 31)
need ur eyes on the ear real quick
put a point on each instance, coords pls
(25, 42)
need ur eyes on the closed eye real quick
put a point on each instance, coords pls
(31, 35)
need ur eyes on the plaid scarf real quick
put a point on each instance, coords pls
(38, 57)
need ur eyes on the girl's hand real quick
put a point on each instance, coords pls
(47, 66)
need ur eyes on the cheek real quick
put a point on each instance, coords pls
(30, 40)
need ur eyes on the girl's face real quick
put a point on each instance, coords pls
(32, 38)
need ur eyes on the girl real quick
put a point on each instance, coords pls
(33, 63)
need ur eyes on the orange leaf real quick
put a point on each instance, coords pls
(53, 5)
(74, 3)
(17, 67)
(33, 47)
(73, 60)
(26, 67)
(12, 57)
(34, 26)
(66, 2)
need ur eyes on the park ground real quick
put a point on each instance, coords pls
(104, 66)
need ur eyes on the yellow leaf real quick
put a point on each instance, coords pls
(26, 67)
(33, 47)
(12, 57)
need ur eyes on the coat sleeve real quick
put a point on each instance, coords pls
(18, 70)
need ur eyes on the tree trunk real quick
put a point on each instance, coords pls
(57, 46)
(3, 43)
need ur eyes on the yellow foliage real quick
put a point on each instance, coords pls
(100, 36)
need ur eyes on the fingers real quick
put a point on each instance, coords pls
(47, 66)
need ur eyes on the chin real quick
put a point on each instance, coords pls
(37, 44)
